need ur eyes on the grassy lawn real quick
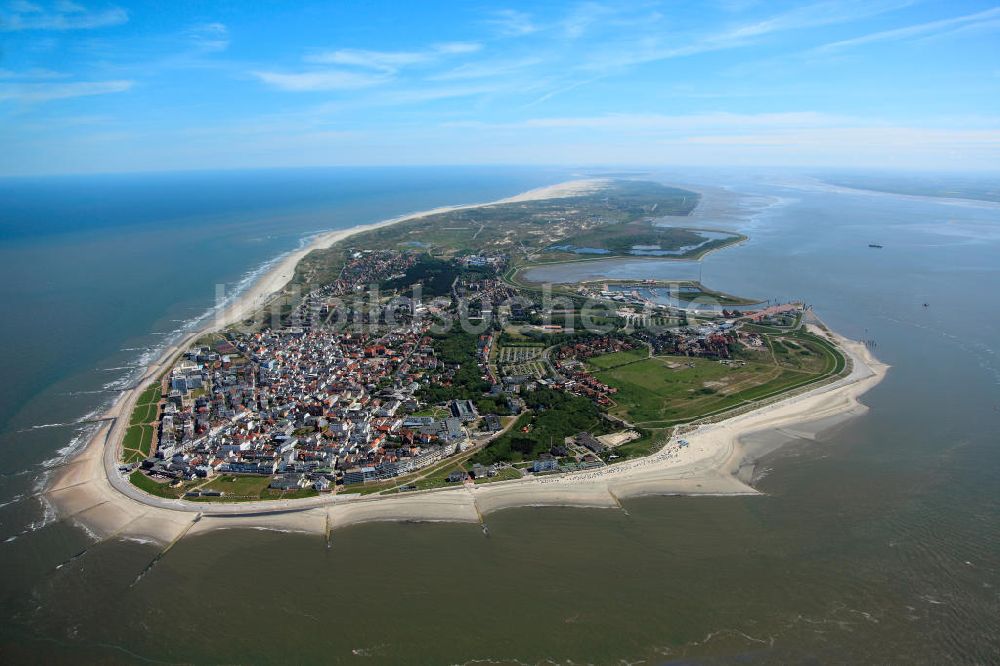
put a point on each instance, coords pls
(299, 493)
(249, 489)
(137, 443)
(241, 486)
(143, 482)
(225, 499)
(367, 488)
(505, 474)
(434, 412)
(759, 328)
(235, 489)
(150, 395)
(800, 354)
(665, 390)
(652, 390)
(514, 332)
(129, 456)
(138, 438)
(613, 360)
(144, 413)
(438, 479)
(835, 360)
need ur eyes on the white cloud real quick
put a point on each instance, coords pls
(320, 80)
(867, 137)
(560, 90)
(391, 61)
(583, 17)
(64, 15)
(644, 123)
(867, 143)
(967, 29)
(457, 48)
(512, 23)
(381, 60)
(794, 138)
(486, 69)
(428, 94)
(979, 19)
(209, 37)
(35, 73)
(361, 68)
(44, 92)
(652, 48)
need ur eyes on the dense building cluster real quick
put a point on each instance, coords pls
(304, 403)
(317, 406)
(314, 406)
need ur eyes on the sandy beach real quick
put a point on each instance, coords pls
(89, 490)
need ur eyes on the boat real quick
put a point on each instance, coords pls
(875, 245)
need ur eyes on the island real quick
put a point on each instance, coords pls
(414, 370)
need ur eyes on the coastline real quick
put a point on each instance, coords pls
(89, 491)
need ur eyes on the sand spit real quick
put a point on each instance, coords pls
(90, 491)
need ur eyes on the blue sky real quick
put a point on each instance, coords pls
(98, 86)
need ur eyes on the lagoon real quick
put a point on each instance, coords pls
(619, 268)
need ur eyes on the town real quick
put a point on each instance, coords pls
(327, 403)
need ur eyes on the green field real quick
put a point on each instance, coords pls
(505, 474)
(435, 412)
(143, 482)
(249, 489)
(615, 359)
(144, 413)
(369, 488)
(138, 441)
(438, 479)
(150, 395)
(240, 486)
(797, 353)
(298, 493)
(662, 391)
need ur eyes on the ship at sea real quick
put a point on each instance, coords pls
(875, 245)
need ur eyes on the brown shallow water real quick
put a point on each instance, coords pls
(847, 559)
